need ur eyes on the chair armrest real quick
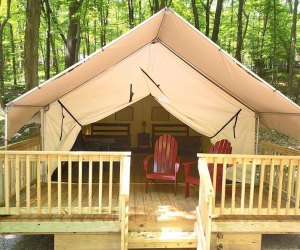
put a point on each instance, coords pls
(146, 161)
(187, 166)
(177, 164)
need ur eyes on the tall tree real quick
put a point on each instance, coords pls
(13, 52)
(103, 9)
(31, 43)
(131, 13)
(239, 41)
(73, 33)
(47, 13)
(215, 34)
(207, 8)
(196, 15)
(292, 49)
(2, 26)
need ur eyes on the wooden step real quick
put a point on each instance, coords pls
(142, 240)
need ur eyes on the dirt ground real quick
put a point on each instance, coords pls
(46, 242)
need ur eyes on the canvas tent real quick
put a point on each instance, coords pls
(167, 58)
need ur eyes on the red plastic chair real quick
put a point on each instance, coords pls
(220, 147)
(166, 161)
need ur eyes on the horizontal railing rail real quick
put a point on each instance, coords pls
(249, 192)
(32, 144)
(27, 185)
(267, 148)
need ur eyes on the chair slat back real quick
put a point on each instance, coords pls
(220, 147)
(165, 154)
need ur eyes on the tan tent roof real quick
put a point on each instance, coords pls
(184, 71)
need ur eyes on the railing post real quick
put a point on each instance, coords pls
(123, 200)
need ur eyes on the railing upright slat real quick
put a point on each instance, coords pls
(297, 189)
(49, 172)
(80, 185)
(2, 180)
(224, 168)
(59, 184)
(289, 187)
(281, 173)
(69, 185)
(110, 184)
(100, 183)
(253, 171)
(7, 183)
(28, 184)
(243, 191)
(271, 181)
(17, 184)
(38, 183)
(261, 185)
(215, 174)
(90, 191)
(233, 191)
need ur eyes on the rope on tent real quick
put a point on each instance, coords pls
(63, 107)
(234, 126)
(157, 85)
(131, 93)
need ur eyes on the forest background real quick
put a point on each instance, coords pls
(40, 38)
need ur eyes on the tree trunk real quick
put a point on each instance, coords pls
(155, 6)
(54, 55)
(31, 43)
(13, 51)
(2, 26)
(196, 15)
(239, 41)
(274, 64)
(292, 50)
(131, 14)
(207, 7)
(215, 34)
(103, 10)
(72, 39)
(47, 12)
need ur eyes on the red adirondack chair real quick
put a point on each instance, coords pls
(220, 147)
(166, 161)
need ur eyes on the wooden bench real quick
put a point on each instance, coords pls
(186, 143)
(108, 137)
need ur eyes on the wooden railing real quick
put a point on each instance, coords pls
(32, 144)
(27, 187)
(249, 193)
(204, 210)
(267, 148)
